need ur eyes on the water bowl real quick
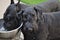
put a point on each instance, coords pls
(8, 34)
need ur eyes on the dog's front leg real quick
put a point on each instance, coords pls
(43, 32)
(42, 36)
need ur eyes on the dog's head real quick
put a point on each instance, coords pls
(10, 18)
(30, 18)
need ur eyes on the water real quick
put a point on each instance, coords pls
(2, 29)
(1, 25)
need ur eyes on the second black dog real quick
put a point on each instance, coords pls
(40, 26)
(11, 21)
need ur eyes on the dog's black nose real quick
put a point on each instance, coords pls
(28, 26)
(28, 29)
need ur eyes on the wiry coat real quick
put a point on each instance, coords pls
(49, 6)
(39, 25)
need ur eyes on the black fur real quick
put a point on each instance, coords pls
(40, 26)
(12, 1)
(10, 18)
(37, 26)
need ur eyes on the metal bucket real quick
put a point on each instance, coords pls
(8, 34)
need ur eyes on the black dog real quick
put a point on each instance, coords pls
(32, 22)
(11, 21)
(15, 8)
(40, 26)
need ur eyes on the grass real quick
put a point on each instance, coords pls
(31, 2)
(59, 0)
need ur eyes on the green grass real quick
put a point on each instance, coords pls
(31, 2)
(59, 0)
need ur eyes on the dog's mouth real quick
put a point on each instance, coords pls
(27, 27)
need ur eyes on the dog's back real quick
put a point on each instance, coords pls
(49, 6)
(53, 21)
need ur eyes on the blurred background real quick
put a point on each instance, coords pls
(5, 3)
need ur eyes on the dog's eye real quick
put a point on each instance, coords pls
(12, 18)
(5, 19)
(25, 16)
(32, 15)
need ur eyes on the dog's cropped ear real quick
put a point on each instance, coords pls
(39, 14)
(38, 11)
(12, 1)
(18, 1)
(18, 6)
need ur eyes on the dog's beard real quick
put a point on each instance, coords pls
(30, 23)
(30, 30)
